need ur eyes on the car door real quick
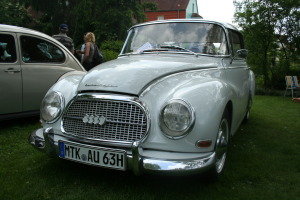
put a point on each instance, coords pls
(238, 75)
(10, 75)
(43, 62)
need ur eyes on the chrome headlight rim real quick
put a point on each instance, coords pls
(166, 131)
(62, 105)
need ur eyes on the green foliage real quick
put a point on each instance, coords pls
(13, 13)
(111, 49)
(272, 36)
(108, 19)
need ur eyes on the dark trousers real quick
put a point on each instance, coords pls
(87, 65)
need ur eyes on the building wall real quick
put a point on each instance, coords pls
(152, 16)
(191, 8)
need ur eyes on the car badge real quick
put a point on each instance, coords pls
(94, 119)
(100, 85)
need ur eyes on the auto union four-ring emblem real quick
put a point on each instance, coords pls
(94, 119)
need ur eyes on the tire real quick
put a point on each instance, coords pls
(247, 115)
(221, 147)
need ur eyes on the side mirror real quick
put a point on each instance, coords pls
(241, 53)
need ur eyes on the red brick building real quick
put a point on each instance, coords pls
(171, 9)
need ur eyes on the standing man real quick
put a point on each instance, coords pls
(63, 38)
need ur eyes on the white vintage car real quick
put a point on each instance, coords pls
(30, 63)
(170, 102)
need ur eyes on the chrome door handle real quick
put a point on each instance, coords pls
(12, 70)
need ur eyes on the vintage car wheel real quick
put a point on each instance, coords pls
(247, 115)
(221, 146)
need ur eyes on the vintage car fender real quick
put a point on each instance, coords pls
(188, 86)
(252, 84)
(67, 85)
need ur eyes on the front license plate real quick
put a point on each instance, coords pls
(103, 157)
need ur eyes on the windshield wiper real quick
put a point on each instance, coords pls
(167, 48)
(152, 50)
(177, 48)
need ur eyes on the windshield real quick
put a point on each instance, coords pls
(193, 38)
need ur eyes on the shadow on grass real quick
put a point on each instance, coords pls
(75, 174)
(19, 122)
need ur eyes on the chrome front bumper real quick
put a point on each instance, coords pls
(137, 160)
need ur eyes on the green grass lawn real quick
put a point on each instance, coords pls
(264, 163)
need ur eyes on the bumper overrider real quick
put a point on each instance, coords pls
(136, 158)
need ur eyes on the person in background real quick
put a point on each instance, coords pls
(82, 50)
(63, 38)
(89, 50)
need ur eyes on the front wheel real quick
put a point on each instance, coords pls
(221, 146)
(247, 115)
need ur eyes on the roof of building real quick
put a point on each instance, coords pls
(164, 5)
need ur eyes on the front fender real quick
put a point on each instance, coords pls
(252, 83)
(67, 86)
(204, 91)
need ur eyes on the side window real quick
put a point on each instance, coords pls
(35, 50)
(7, 49)
(236, 40)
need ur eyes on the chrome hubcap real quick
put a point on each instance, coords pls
(221, 145)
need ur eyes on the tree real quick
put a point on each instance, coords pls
(13, 13)
(271, 30)
(108, 19)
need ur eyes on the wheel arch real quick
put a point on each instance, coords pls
(229, 108)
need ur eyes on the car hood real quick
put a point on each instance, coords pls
(132, 74)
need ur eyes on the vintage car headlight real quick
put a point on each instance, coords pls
(52, 106)
(177, 118)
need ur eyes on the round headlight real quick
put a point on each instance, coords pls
(176, 119)
(51, 107)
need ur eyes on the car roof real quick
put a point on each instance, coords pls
(17, 29)
(224, 24)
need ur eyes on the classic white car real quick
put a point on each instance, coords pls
(30, 63)
(170, 102)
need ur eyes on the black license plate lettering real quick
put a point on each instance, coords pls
(72, 152)
(113, 159)
(99, 157)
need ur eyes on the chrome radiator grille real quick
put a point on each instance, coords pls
(120, 120)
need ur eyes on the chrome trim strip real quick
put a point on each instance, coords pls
(108, 97)
(134, 158)
(110, 121)
(225, 29)
(196, 165)
(246, 68)
(114, 143)
(173, 52)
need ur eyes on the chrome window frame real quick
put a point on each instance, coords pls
(225, 29)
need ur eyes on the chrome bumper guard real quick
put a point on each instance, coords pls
(44, 140)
